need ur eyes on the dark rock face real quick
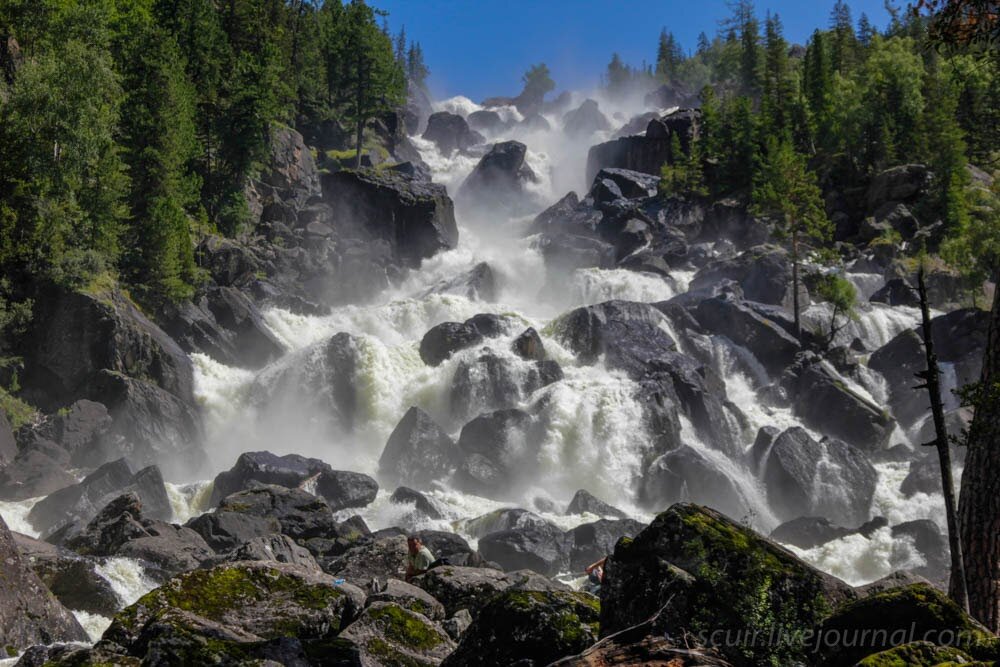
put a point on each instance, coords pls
(492, 382)
(266, 468)
(121, 530)
(268, 548)
(450, 132)
(418, 451)
(541, 548)
(585, 120)
(896, 292)
(72, 579)
(647, 153)
(29, 614)
(476, 284)
(808, 531)
(687, 474)
(774, 347)
(381, 557)
(763, 273)
(416, 219)
(590, 542)
(472, 587)
(494, 446)
(529, 346)
(565, 253)
(486, 120)
(296, 513)
(829, 479)
(407, 496)
(80, 503)
(499, 178)
(932, 545)
(583, 502)
(824, 402)
(529, 626)
(709, 571)
(898, 184)
(252, 342)
(631, 184)
(386, 633)
(244, 609)
(447, 338)
(343, 489)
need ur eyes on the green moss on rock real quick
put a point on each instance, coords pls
(916, 654)
(403, 626)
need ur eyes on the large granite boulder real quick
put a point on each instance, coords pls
(451, 132)
(386, 633)
(542, 548)
(494, 447)
(289, 471)
(499, 179)
(646, 153)
(585, 120)
(29, 613)
(584, 502)
(529, 627)
(416, 219)
(771, 344)
(472, 588)
(418, 451)
(492, 382)
(687, 474)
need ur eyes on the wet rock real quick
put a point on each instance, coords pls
(499, 180)
(253, 342)
(700, 567)
(918, 654)
(388, 634)
(540, 548)
(486, 120)
(81, 430)
(689, 475)
(494, 446)
(289, 471)
(807, 532)
(932, 545)
(407, 496)
(535, 123)
(584, 502)
(380, 557)
(532, 626)
(470, 588)
(451, 547)
(8, 446)
(822, 399)
(631, 184)
(343, 489)
(72, 579)
(80, 503)
(492, 382)
(269, 548)
(29, 613)
(416, 219)
(829, 478)
(476, 284)
(924, 476)
(529, 346)
(763, 272)
(239, 609)
(298, 514)
(501, 520)
(647, 153)
(418, 451)
(774, 347)
(443, 340)
(568, 216)
(896, 292)
(37, 470)
(451, 132)
(918, 610)
(585, 120)
(591, 542)
(565, 253)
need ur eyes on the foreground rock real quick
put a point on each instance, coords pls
(418, 451)
(532, 626)
(711, 572)
(74, 580)
(232, 611)
(389, 634)
(29, 614)
(471, 588)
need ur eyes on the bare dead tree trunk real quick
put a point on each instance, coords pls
(932, 382)
(979, 506)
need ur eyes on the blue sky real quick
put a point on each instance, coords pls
(480, 48)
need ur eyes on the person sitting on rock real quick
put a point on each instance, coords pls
(419, 560)
(595, 576)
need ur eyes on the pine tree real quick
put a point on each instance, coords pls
(786, 192)
(866, 31)
(416, 70)
(945, 149)
(777, 87)
(703, 44)
(745, 23)
(618, 75)
(668, 56)
(843, 46)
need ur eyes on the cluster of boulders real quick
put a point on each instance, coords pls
(284, 583)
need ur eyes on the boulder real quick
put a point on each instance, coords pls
(486, 120)
(415, 218)
(918, 654)
(379, 557)
(764, 273)
(291, 173)
(807, 532)
(932, 545)
(494, 447)
(80, 503)
(238, 609)
(824, 402)
(29, 613)
(567, 216)
(535, 123)
(450, 132)
(529, 627)
(631, 184)
(443, 340)
(529, 346)
(82, 430)
(408, 597)
(770, 344)
(710, 572)
(898, 184)
(584, 502)
(418, 451)
(343, 489)
(896, 292)
(389, 634)
(646, 153)
(471, 588)
(293, 512)
(498, 181)
(585, 120)
(687, 474)
(540, 548)
(72, 579)
(918, 610)
(476, 284)
(502, 520)
(420, 502)
(268, 548)
(253, 343)
(37, 470)
(829, 478)
(564, 253)
(290, 471)
(591, 542)
(492, 382)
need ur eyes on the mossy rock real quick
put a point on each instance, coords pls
(717, 576)
(539, 626)
(886, 620)
(249, 602)
(388, 634)
(916, 654)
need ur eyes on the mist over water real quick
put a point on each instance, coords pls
(594, 428)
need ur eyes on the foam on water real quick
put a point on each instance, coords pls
(127, 577)
(15, 514)
(93, 624)
(858, 559)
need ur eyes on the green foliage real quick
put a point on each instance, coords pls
(840, 293)
(786, 191)
(683, 173)
(973, 246)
